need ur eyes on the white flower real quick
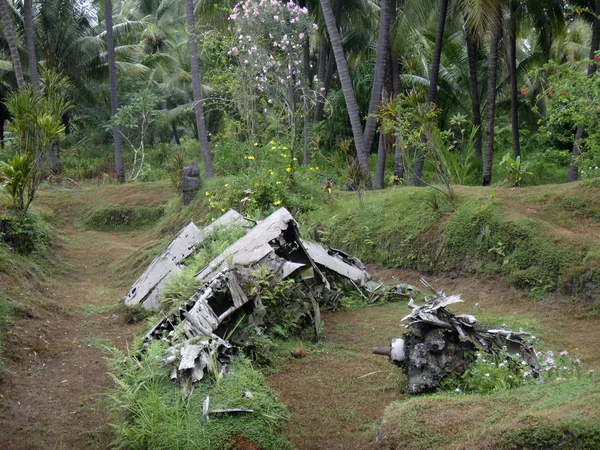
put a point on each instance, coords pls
(487, 374)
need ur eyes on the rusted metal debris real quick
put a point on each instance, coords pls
(230, 287)
(438, 342)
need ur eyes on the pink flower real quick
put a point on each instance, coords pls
(315, 26)
(564, 353)
(301, 35)
(523, 92)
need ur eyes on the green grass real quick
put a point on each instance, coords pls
(559, 415)
(122, 218)
(417, 229)
(149, 411)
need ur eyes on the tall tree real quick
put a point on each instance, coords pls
(195, 72)
(348, 90)
(12, 43)
(29, 36)
(380, 63)
(594, 47)
(114, 100)
(512, 68)
(488, 154)
(433, 81)
(473, 87)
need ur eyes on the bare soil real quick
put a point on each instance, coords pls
(52, 395)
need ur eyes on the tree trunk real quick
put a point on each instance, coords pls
(380, 167)
(12, 43)
(474, 89)
(488, 154)
(114, 101)
(385, 140)
(595, 44)
(433, 82)
(305, 103)
(2, 120)
(29, 36)
(195, 72)
(348, 90)
(380, 62)
(514, 100)
(320, 108)
(53, 157)
(175, 133)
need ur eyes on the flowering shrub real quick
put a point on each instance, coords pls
(268, 41)
(493, 372)
(574, 103)
(266, 182)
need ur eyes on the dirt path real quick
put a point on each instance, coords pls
(58, 377)
(336, 395)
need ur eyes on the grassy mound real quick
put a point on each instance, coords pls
(561, 415)
(528, 235)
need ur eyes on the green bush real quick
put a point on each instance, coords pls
(24, 232)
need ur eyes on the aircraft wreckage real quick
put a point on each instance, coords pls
(438, 342)
(196, 328)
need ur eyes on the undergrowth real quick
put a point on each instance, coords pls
(149, 412)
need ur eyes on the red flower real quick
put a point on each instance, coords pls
(565, 94)
(434, 106)
(596, 58)
(549, 93)
(523, 91)
(216, 138)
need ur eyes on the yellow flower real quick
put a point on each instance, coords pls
(284, 148)
(317, 168)
(272, 142)
(226, 184)
(273, 148)
(212, 218)
(245, 157)
(249, 157)
(278, 202)
(256, 144)
(207, 193)
(295, 159)
(288, 169)
(311, 168)
(222, 209)
(270, 172)
(278, 182)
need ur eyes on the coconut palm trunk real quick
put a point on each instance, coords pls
(514, 101)
(474, 88)
(595, 44)
(195, 72)
(380, 63)
(348, 90)
(7, 28)
(329, 71)
(114, 100)
(488, 153)
(433, 82)
(29, 36)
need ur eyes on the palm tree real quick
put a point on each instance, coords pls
(348, 90)
(12, 43)
(512, 68)
(488, 154)
(195, 72)
(594, 47)
(114, 101)
(380, 63)
(433, 81)
(473, 87)
(29, 36)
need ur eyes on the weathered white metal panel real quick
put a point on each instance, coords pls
(321, 256)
